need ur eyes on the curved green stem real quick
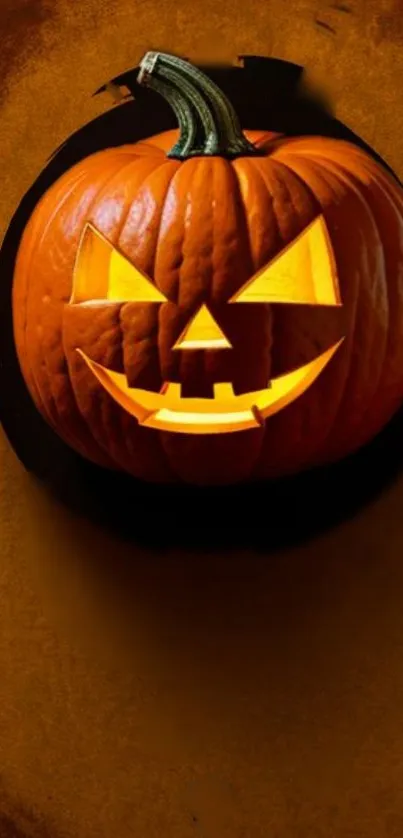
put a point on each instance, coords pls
(203, 108)
(187, 119)
(211, 139)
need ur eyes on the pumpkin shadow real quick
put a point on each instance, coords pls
(267, 94)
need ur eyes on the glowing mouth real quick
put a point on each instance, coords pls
(224, 413)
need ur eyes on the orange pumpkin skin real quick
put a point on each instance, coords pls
(200, 228)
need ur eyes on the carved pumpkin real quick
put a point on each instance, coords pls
(213, 305)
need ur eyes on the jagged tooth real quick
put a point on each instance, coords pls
(172, 389)
(258, 416)
(223, 390)
(145, 416)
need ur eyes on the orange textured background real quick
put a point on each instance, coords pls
(251, 696)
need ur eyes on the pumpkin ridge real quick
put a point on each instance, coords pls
(20, 327)
(312, 145)
(179, 450)
(88, 447)
(106, 414)
(281, 174)
(260, 171)
(193, 169)
(390, 187)
(328, 165)
(121, 225)
(279, 165)
(170, 163)
(96, 443)
(95, 447)
(128, 206)
(176, 167)
(336, 396)
(370, 199)
(341, 401)
(37, 243)
(173, 186)
(240, 204)
(239, 166)
(68, 383)
(394, 290)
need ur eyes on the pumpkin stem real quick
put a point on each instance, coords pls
(208, 123)
(191, 138)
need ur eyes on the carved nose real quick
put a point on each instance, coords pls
(203, 332)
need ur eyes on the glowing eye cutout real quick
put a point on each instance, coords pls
(102, 273)
(304, 272)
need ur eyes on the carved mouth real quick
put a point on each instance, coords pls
(226, 412)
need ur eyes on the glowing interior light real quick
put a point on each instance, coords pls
(304, 272)
(225, 412)
(203, 332)
(102, 273)
(172, 416)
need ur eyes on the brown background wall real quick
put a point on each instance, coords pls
(261, 697)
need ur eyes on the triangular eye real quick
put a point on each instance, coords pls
(305, 272)
(102, 273)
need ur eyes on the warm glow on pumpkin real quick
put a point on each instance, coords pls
(226, 412)
(304, 272)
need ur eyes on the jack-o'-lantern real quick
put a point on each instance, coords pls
(214, 305)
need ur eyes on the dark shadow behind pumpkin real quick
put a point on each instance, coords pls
(267, 94)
